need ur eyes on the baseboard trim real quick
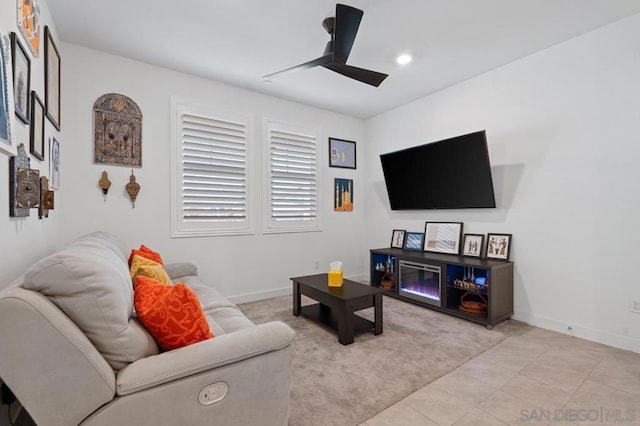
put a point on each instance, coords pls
(261, 295)
(587, 333)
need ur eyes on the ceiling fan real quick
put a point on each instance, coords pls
(343, 29)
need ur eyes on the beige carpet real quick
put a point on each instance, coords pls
(333, 384)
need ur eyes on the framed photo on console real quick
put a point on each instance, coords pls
(414, 241)
(442, 237)
(397, 238)
(498, 246)
(472, 245)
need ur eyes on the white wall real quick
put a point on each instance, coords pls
(24, 240)
(562, 127)
(243, 267)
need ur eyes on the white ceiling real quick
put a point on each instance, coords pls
(237, 42)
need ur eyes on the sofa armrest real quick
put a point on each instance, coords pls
(180, 269)
(209, 354)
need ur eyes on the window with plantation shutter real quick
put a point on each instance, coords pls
(292, 182)
(210, 186)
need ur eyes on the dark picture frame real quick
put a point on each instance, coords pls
(414, 241)
(36, 140)
(21, 79)
(498, 246)
(51, 78)
(342, 153)
(442, 237)
(397, 238)
(473, 245)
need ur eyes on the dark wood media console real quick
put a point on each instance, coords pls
(475, 289)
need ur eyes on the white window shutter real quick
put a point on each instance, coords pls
(212, 179)
(292, 179)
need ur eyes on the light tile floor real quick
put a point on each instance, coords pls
(537, 377)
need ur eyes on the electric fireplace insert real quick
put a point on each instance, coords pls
(420, 282)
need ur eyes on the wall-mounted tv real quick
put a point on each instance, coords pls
(452, 173)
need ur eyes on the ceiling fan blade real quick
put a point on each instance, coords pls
(322, 60)
(346, 27)
(366, 76)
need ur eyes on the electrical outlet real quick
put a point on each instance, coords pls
(317, 265)
(635, 306)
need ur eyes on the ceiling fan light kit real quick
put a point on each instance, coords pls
(343, 29)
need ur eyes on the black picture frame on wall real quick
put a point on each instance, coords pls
(51, 78)
(36, 140)
(21, 64)
(342, 153)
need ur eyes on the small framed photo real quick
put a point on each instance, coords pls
(498, 246)
(342, 153)
(51, 78)
(6, 99)
(343, 201)
(442, 237)
(397, 238)
(37, 127)
(54, 163)
(414, 241)
(21, 78)
(472, 245)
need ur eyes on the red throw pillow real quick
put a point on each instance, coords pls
(171, 313)
(147, 253)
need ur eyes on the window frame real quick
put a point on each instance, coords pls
(184, 229)
(273, 226)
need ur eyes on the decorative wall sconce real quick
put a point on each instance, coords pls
(46, 198)
(24, 184)
(132, 189)
(105, 184)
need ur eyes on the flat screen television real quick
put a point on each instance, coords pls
(453, 173)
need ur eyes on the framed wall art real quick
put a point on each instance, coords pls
(343, 201)
(21, 78)
(36, 142)
(29, 24)
(498, 246)
(6, 98)
(414, 241)
(54, 163)
(342, 153)
(442, 237)
(397, 238)
(51, 79)
(117, 126)
(472, 245)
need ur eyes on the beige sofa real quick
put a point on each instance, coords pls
(73, 351)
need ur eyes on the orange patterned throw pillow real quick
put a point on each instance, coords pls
(171, 313)
(145, 252)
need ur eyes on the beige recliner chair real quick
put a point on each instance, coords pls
(73, 352)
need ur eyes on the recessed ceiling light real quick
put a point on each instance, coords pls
(404, 59)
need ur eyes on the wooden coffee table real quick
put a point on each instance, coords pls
(337, 305)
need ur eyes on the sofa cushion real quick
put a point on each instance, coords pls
(227, 320)
(171, 313)
(103, 239)
(210, 298)
(146, 252)
(89, 281)
(156, 272)
(139, 261)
